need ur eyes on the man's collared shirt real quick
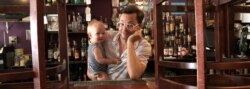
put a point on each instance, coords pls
(119, 71)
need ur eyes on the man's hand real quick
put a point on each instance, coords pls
(136, 36)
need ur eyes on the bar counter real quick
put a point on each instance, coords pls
(117, 84)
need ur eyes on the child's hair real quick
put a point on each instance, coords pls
(92, 24)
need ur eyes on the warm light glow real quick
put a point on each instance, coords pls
(24, 1)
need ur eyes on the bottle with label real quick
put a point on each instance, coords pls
(75, 50)
(88, 13)
(83, 49)
(74, 23)
(69, 23)
(50, 52)
(79, 22)
(69, 50)
(56, 53)
(171, 24)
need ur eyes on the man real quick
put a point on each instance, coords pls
(128, 45)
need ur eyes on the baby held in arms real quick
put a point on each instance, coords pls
(97, 59)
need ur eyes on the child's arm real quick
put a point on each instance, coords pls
(100, 59)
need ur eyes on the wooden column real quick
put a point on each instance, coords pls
(200, 51)
(38, 42)
(158, 43)
(218, 22)
(63, 38)
(231, 41)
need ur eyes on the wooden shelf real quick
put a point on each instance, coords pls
(78, 62)
(167, 8)
(77, 5)
(178, 64)
(56, 32)
(52, 9)
(14, 8)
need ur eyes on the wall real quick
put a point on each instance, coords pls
(101, 8)
(16, 29)
(98, 8)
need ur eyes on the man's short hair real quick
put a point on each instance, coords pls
(130, 9)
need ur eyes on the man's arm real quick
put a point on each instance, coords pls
(134, 64)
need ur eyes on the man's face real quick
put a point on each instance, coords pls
(127, 25)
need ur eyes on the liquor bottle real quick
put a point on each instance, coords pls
(56, 53)
(189, 42)
(181, 24)
(69, 23)
(69, 50)
(83, 49)
(163, 16)
(88, 13)
(50, 52)
(79, 22)
(171, 49)
(189, 37)
(48, 2)
(84, 25)
(166, 49)
(74, 23)
(171, 24)
(75, 51)
(167, 27)
(184, 38)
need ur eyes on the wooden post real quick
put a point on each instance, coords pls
(38, 42)
(63, 38)
(200, 51)
(158, 44)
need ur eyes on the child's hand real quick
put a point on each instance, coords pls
(118, 61)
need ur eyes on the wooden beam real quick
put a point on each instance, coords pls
(240, 9)
(38, 43)
(200, 51)
(63, 38)
(14, 9)
(158, 43)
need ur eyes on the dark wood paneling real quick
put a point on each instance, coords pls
(37, 43)
(14, 9)
(14, 2)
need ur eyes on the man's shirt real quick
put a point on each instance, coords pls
(120, 71)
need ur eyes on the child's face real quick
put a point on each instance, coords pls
(97, 34)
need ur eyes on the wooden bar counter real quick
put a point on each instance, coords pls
(118, 84)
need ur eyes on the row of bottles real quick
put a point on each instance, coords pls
(178, 40)
(84, 2)
(76, 22)
(53, 52)
(75, 52)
